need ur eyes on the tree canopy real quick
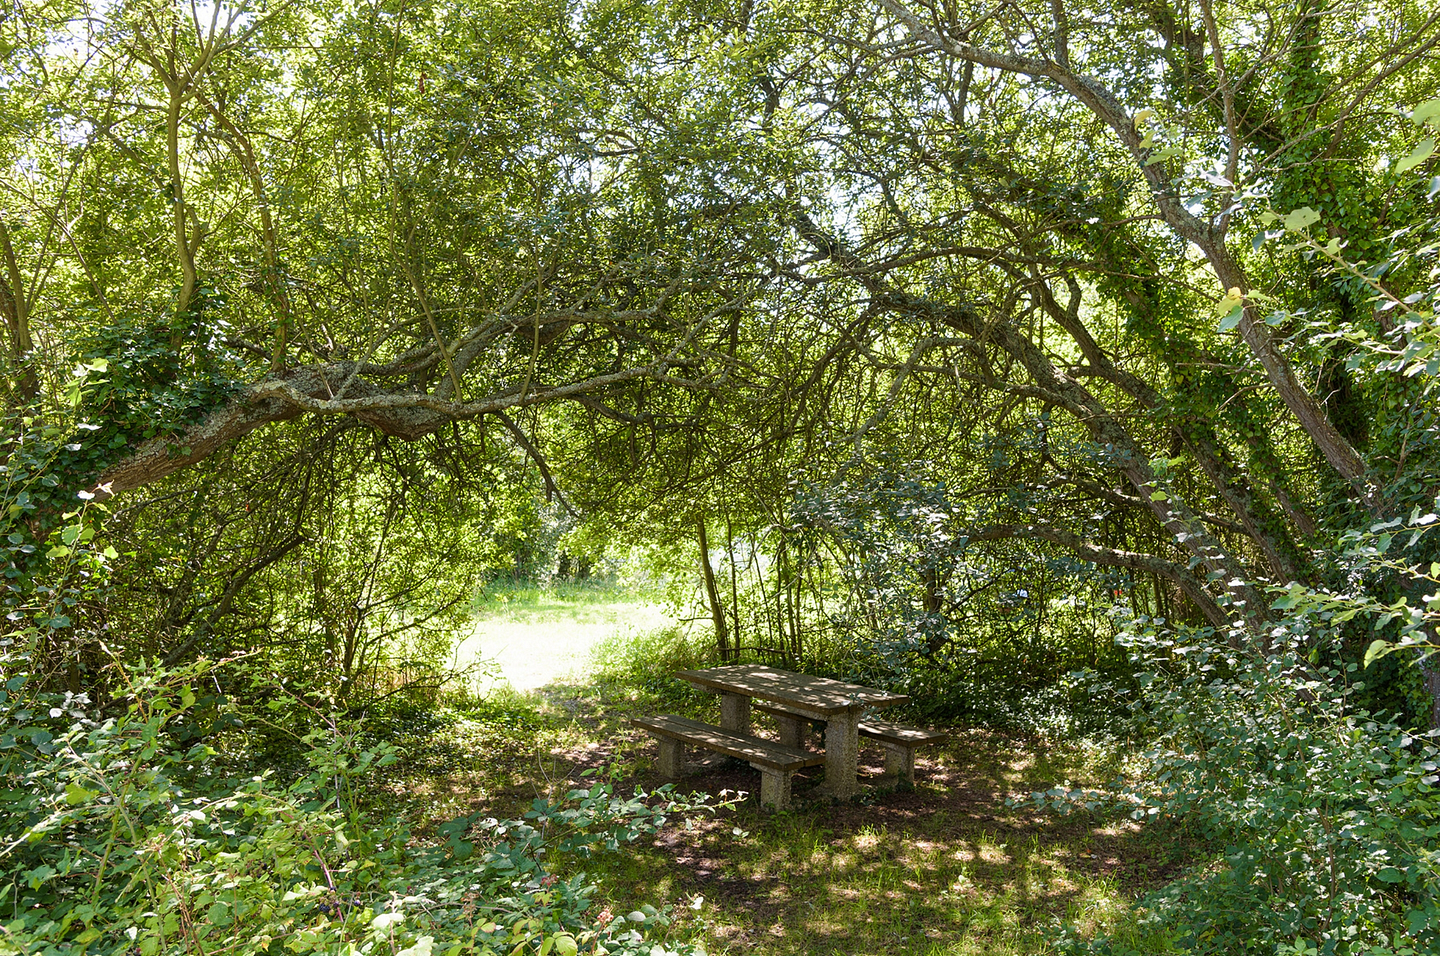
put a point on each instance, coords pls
(1045, 361)
(1148, 286)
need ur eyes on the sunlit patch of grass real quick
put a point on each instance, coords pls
(528, 635)
(561, 601)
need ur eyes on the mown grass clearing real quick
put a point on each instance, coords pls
(528, 636)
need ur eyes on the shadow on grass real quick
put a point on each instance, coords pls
(948, 867)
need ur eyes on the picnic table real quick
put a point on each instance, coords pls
(838, 703)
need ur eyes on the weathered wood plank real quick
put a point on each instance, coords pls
(809, 696)
(885, 731)
(893, 733)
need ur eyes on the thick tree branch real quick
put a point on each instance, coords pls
(399, 414)
(1054, 386)
(1209, 237)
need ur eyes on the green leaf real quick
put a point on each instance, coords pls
(421, 948)
(1232, 318)
(76, 794)
(1422, 151)
(1377, 650)
(1426, 112)
(1300, 219)
(1390, 874)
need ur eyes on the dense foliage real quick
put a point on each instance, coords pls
(122, 837)
(911, 339)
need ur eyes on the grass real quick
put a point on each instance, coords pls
(526, 636)
(952, 867)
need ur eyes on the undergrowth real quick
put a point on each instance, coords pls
(120, 840)
(1263, 817)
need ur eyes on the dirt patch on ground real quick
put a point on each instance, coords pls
(947, 806)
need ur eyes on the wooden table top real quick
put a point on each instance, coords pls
(800, 691)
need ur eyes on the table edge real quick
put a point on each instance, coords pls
(697, 677)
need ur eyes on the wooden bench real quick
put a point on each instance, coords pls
(899, 741)
(776, 762)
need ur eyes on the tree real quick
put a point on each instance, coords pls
(1050, 209)
(411, 219)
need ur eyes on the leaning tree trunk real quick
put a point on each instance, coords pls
(717, 609)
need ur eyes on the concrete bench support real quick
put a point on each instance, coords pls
(672, 757)
(791, 727)
(900, 743)
(776, 762)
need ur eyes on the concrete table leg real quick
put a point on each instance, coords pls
(735, 713)
(791, 730)
(672, 758)
(842, 754)
(900, 763)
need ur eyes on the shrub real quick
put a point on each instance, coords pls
(1325, 818)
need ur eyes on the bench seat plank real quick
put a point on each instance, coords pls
(752, 749)
(890, 732)
(776, 762)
